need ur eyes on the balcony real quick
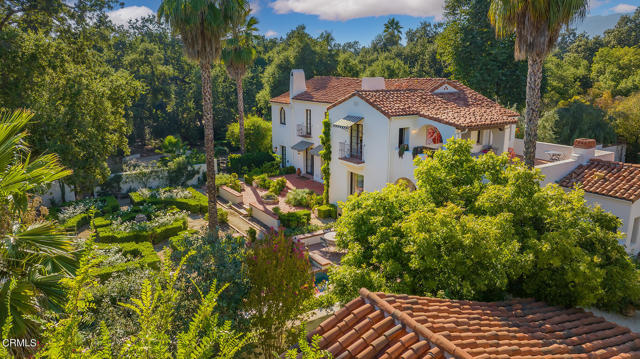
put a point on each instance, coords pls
(350, 153)
(303, 130)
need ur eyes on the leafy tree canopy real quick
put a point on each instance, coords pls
(479, 228)
(577, 118)
(257, 134)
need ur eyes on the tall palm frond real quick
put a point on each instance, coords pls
(33, 256)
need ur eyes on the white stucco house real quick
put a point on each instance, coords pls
(379, 125)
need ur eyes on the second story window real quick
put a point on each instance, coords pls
(307, 122)
(283, 120)
(403, 136)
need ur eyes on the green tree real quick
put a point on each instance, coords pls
(421, 52)
(616, 70)
(387, 66)
(579, 119)
(237, 55)
(625, 33)
(202, 27)
(483, 228)
(35, 253)
(205, 337)
(472, 55)
(536, 26)
(627, 123)
(298, 51)
(566, 77)
(281, 281)
(257, 134)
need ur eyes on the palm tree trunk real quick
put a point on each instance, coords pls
(240, 112)
(207, 114)
(532, 115)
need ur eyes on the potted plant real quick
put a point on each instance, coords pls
(402, 149)
(298, 172)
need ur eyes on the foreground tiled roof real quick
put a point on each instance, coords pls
(607, 178)
(387, 326)
(329, 89)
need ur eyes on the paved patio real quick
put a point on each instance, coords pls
(252, 194)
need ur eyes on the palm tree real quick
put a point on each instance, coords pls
(536, 24)
(202, 26)
(238, 53)
(393, 26)
(34, 254)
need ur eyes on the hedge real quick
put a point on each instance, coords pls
(197, 204)
(111, 205)
(177, 242)
(74, 223)
(145, 257)
(244, 163)
(100, 222)
(295, 219)
(154, 236)
(327, 211)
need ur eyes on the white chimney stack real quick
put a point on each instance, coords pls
(584, 149)
(297, 82)
(373, 83)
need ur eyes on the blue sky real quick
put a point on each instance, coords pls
(350, 20)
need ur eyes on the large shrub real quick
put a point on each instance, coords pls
(252, 160)
(280, 276)
(482, 228)
(303, 198)
(257, 134)
(294, 219)
(229, 180)
(187, 199)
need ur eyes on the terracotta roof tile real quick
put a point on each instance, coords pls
(407, 327)
(411, 96)
(607, 178)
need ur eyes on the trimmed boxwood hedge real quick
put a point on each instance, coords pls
(295, 219)
(154, 236)
(100, 222)
(197, 204)
(74, 223)
(145, 257)
(327, 211)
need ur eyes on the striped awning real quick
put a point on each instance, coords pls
(316, 150)
(302, 145)
(347, 121)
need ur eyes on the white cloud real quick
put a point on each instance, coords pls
(255, 7)
(352, 9)
(270, 33)
(624, 8)
(122, 16)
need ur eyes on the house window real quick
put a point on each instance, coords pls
(308, 162)
(355, 149)
(635, 233)
(283, 156)
(403, 136)
(478, 137)
(357, 183)
(308, 122)
(283, 120)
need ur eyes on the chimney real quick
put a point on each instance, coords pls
(584, 149)
(297, 82)
(373, 83)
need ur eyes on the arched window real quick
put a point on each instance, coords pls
(283, 120)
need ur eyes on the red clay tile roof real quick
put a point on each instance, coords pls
(329, 89)
(465, 109)
(607, 178)
(387, 326)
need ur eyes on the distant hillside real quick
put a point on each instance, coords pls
(596, 24)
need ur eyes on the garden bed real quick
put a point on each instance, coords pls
(118, 257)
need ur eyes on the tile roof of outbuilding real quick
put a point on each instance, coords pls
(388, 326)
(464, 109)
(608, 178)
